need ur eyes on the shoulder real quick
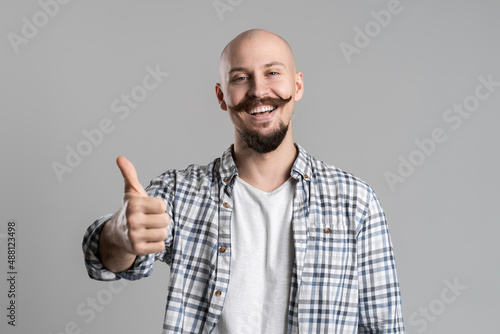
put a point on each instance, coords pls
(332, 186)
(209, 174)
(331, 176)
(345, 191)
(193, 174)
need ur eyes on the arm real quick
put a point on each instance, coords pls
(128, 242)
(379, 294)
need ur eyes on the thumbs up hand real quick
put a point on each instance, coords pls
(146, 220)
(138, 228)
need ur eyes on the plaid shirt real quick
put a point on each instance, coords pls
(344, 276)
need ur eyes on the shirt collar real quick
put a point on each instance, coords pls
(228, 169)
(301, 167)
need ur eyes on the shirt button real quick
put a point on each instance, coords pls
(327, 230)
(225, 180)
(225, 205)
(306, 176)
(218, 293)
(222, 249)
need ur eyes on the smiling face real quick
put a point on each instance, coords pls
(259, 86)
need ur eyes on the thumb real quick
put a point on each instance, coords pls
(130, 177)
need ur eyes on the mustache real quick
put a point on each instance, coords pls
(253, 102)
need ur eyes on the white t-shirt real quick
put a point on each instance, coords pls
(261, 261)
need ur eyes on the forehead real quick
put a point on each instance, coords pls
(257, 52)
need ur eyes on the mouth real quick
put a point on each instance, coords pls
(261, 111)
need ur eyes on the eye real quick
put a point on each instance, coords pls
(272, 73)
(239, 78)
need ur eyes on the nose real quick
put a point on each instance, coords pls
(258, 88)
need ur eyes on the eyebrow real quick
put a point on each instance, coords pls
(243, 69)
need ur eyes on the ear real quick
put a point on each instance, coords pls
(299, 86)
(220, 96)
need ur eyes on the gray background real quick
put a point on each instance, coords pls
(360, 116)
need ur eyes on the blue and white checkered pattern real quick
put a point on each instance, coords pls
(344, 275)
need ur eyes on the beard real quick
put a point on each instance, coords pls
(264, 143)
(254, 140)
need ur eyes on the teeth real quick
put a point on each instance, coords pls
(261, 109)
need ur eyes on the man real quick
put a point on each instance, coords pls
(265, 239)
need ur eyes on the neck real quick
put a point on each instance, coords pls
(265, 171)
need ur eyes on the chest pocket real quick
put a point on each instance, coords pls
(327, 256)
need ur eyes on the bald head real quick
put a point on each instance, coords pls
(256, 33)
(253, 35)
